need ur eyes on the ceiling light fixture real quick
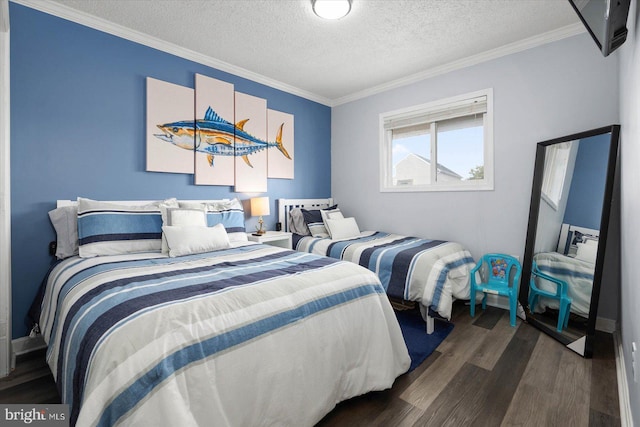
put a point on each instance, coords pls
(331, 9)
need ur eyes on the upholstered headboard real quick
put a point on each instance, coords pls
(285, 206)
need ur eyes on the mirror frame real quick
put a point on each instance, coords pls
(534, 210)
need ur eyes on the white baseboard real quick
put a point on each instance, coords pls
(26, 345)
(626, 418)
(606, 325)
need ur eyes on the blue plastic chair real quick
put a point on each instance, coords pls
(560, 294)
(497, 278)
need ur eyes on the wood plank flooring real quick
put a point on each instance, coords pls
(485, 373)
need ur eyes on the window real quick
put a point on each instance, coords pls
(441, 146)
(556, 162)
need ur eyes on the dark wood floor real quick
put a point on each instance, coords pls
(485, 373)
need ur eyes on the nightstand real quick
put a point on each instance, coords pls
(282, 239)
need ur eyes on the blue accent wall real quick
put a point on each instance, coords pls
(78, 129)
(584, 205)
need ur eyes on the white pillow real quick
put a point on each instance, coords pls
(330, 213)
(587, 252)
(591, 242)
(335, 215)
(186, 240)
(342, 228)
(171, 215)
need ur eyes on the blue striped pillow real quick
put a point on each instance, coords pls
(112, 229)
(232, 220)
(229, 213)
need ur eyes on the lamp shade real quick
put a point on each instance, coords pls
(260, 206)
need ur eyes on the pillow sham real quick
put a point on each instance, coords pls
(187, 240)
(344, 228)
(330, 213)
(229, 212)
(587, 252)
(315, 223)
(181, 216)
(112, 229)
(65, 222)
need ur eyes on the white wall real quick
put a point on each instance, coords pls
(630, 199)
(539, 94)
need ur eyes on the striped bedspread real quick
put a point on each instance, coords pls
(248, 336)
(431, 272)
(577, 273)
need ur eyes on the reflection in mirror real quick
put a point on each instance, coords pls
(563, 259)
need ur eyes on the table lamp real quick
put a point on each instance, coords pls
(259, 207)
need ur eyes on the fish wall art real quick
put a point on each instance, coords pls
(233, 138)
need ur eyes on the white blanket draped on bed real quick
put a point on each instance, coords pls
(247, 336)
(430, 272)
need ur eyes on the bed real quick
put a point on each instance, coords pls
(574, 263)
(245, 334)
(432, 273)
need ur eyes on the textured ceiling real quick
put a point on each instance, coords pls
(377, 43)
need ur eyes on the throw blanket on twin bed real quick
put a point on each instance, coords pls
(432, 272)
(252, 335)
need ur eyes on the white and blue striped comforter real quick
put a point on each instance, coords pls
(247, 336)
(431, 272)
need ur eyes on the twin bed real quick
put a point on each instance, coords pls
(163, 313)
(432, 273)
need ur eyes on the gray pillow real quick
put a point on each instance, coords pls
(296, 222)
(65, 222)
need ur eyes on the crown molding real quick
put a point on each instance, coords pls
(82, 18)
(519, 46)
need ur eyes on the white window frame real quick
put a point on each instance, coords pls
(437, 108)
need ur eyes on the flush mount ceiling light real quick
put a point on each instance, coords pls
(331, 9)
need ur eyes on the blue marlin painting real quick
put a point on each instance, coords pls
(215, 136)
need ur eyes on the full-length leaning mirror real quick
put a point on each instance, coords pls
(567, 235)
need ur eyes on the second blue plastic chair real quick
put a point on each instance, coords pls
(499, 276)
(560, 294)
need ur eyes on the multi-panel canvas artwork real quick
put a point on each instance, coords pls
(221, 136)
(280, 130)
(251, 144)
(214, 158)
(170, 136)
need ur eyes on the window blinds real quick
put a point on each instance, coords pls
(422, 119)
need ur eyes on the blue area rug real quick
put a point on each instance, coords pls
(414, 331)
